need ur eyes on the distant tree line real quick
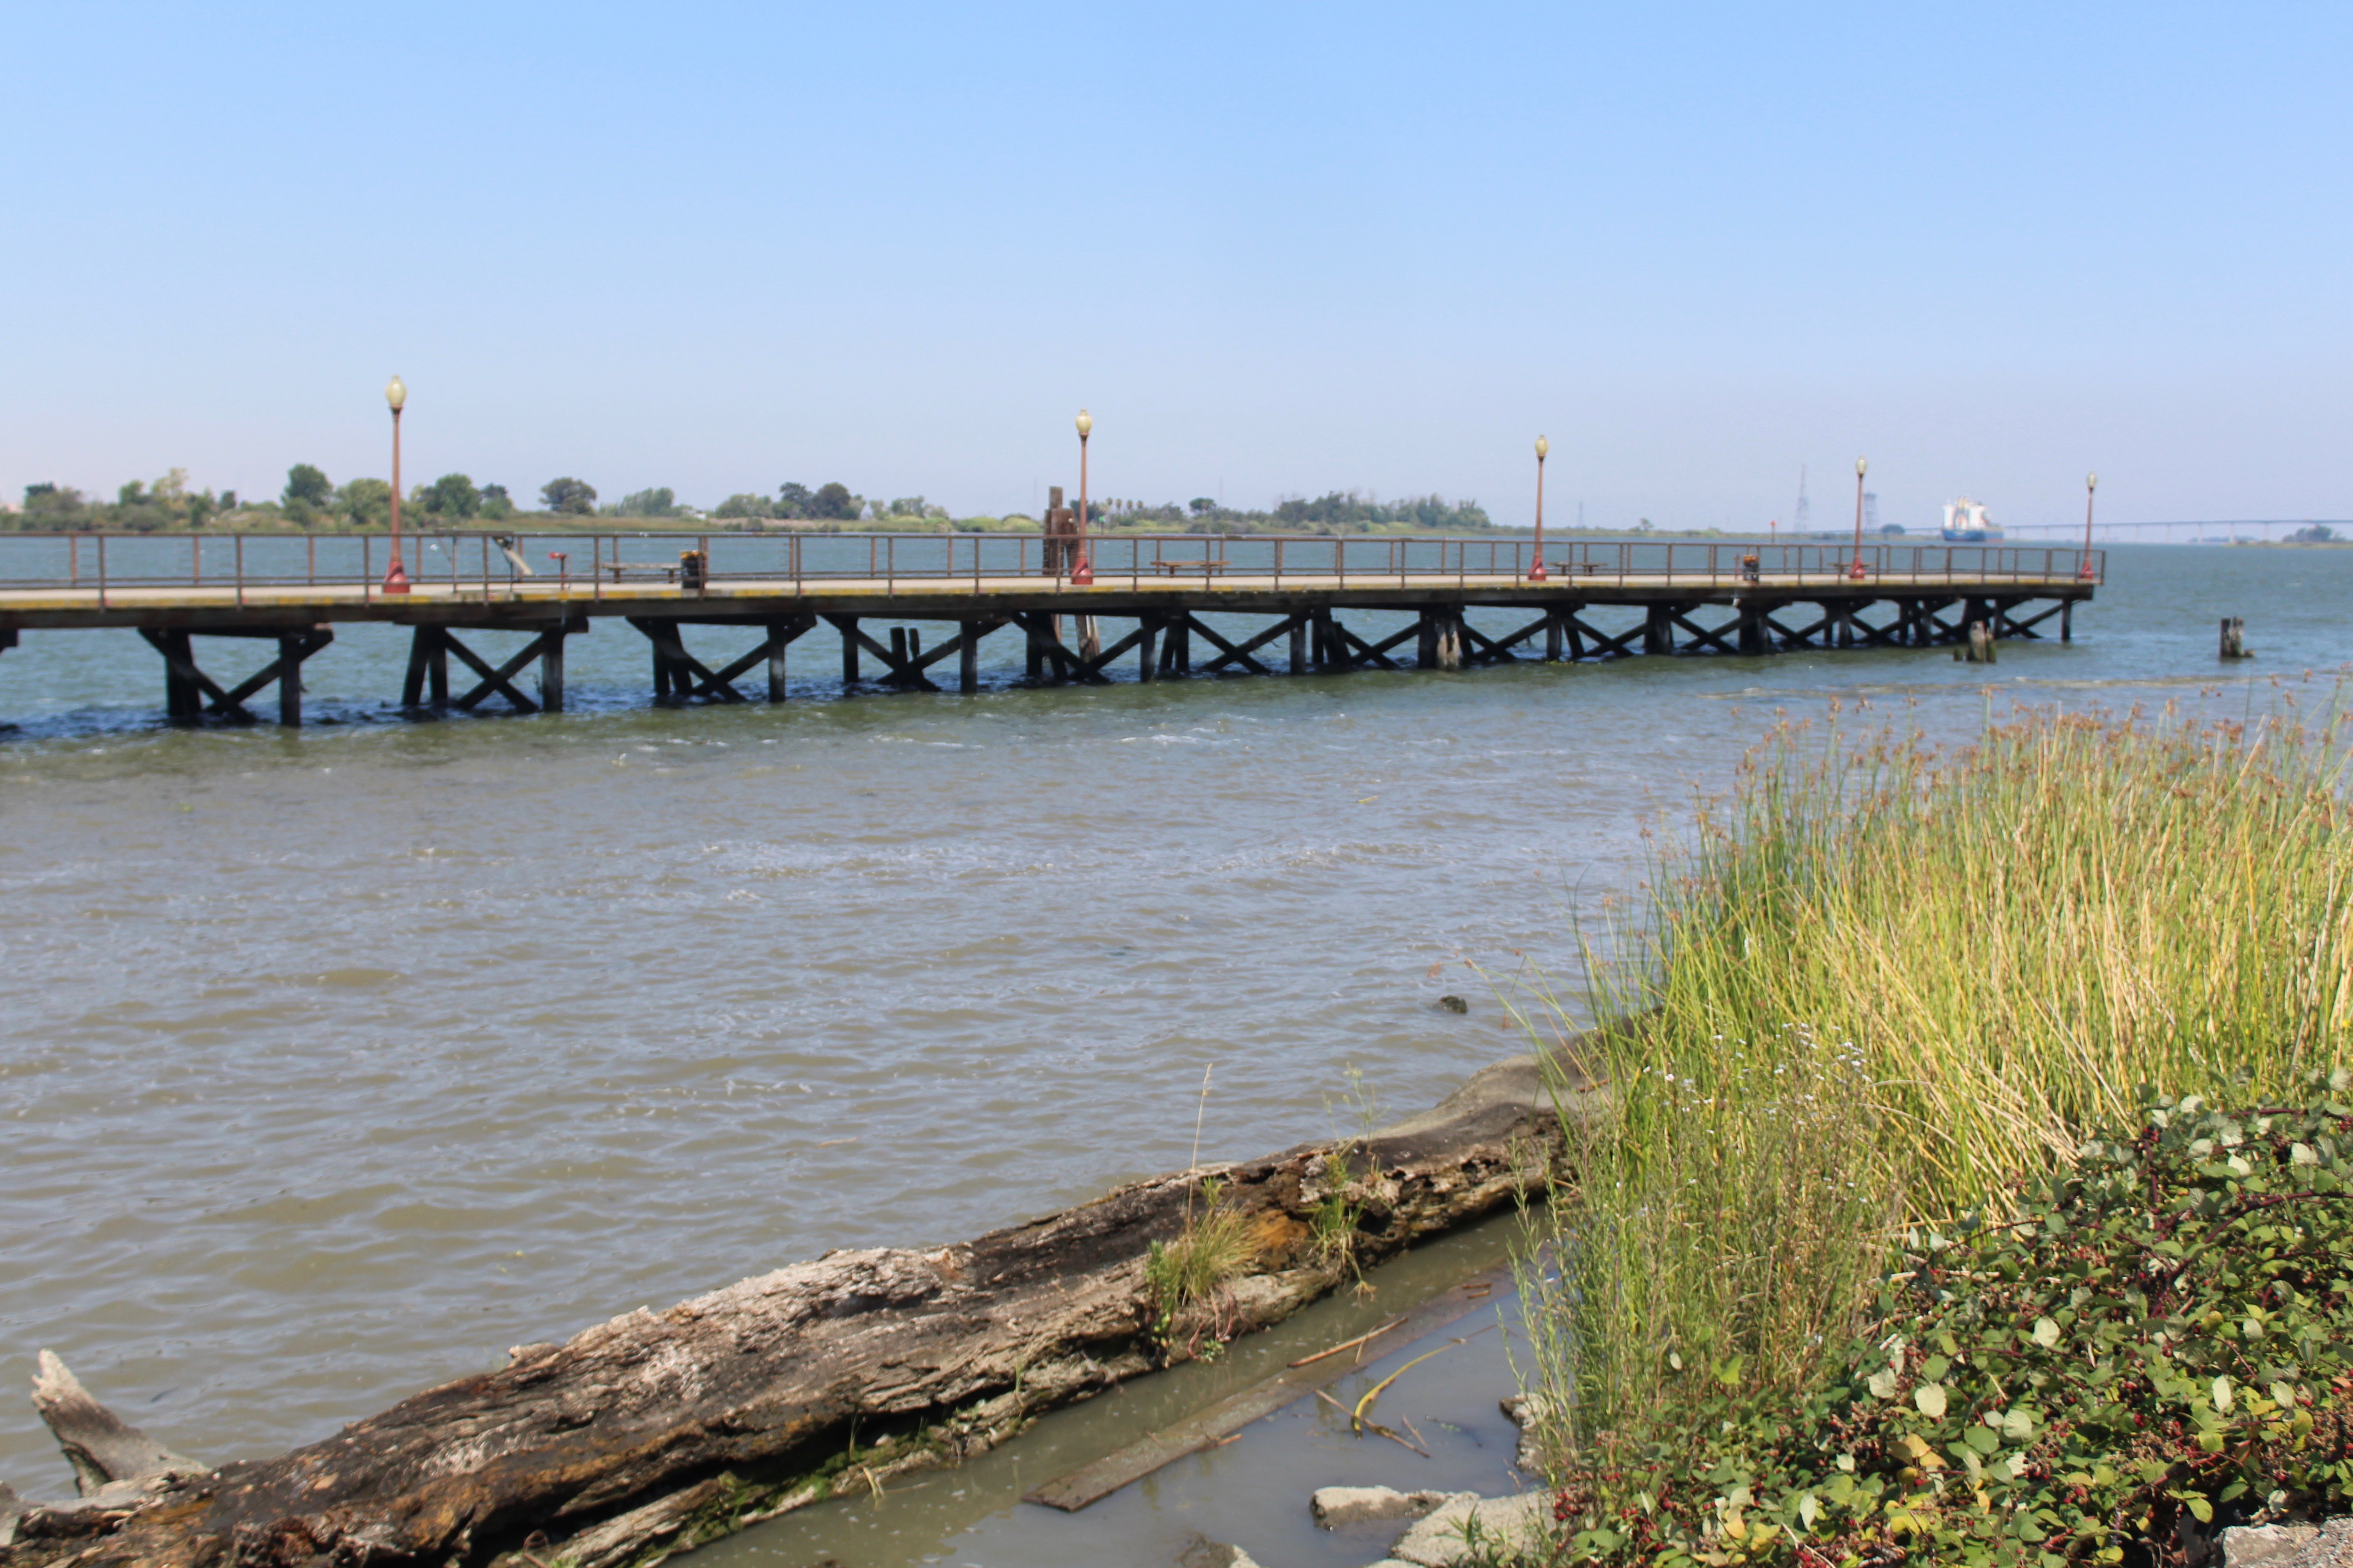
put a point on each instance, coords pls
(140, 506)
(798, 503)
(1335, 511)
(310, 500)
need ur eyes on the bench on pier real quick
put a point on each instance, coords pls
(625, 569)
(1186, 568)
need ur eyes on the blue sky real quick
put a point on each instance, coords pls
(1275, 248)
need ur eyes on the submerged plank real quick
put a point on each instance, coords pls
(1091, 1483)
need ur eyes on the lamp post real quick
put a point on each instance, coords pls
(1856, 570)
(395, 576)
(1082, 571)
(1537, 572)
(2084, 568)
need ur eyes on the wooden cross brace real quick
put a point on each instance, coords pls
(1934, 630)
(1889, 636)
(1228, 652)
(500, 679)
(1241, 653)
(907, 670)
(2025, 628)
(1604, 643)
(1355, 652)
(1720, 638)
(1802, 639)
(1044, 640)
(688, 677)
(185, 683)
(1498, 650)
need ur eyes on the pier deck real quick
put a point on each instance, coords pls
(782, 587)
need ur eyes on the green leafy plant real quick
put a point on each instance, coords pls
(2160, 1336)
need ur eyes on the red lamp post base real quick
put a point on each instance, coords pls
(395, 579)
(1537, 574)
(1857, 572)
(1083, 573)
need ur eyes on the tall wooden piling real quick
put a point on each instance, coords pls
(849, 626)
(2235, 637)
(1151, 653)
(551, 670)
(290, 681)
(778, 637)
(184, 702)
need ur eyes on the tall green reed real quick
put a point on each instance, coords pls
(1885, 979)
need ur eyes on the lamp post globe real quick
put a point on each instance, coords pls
(1082, 570)
(1544, 448)
(1858, 570)
(395, 576)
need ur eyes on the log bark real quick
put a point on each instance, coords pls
(657, 1431)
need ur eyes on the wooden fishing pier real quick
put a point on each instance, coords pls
(1312, 603)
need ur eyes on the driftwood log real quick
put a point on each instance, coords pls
(658, 1431)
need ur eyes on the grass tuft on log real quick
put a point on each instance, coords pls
(1885, 984)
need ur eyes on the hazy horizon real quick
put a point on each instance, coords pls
(1275, 252)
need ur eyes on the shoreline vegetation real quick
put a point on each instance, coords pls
(1973, 1183)
(311, 503)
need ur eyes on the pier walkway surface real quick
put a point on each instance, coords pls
(1590, 600)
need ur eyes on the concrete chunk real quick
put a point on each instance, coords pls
(1466, 1526)
(1337, 1507)
(2328, 1545)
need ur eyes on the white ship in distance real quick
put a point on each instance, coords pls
(1966, 522)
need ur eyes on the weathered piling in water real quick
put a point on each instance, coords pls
(2234, 637)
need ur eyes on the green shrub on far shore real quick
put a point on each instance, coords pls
(2158, 1342)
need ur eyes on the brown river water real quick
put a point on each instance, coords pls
(337, 1061)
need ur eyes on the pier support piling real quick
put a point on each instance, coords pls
(189, 694)
(428, 670)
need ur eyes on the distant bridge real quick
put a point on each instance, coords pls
(2272, 528)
